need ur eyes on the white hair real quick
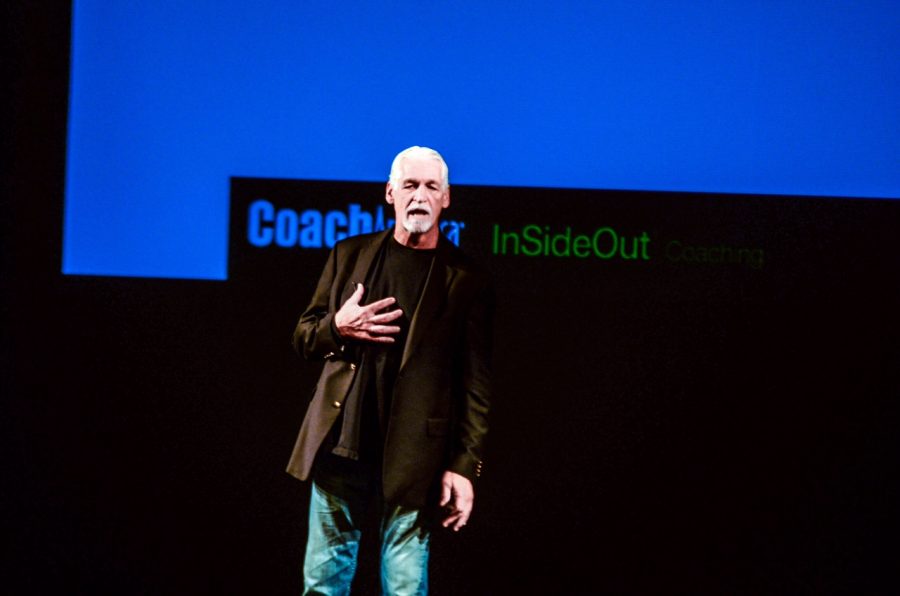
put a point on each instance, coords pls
(420, 152)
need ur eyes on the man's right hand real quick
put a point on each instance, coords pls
(364, 323)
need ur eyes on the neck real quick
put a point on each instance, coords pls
(425, 241)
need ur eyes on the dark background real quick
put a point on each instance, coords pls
(660, 428)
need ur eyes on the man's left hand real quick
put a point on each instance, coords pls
(458, 497)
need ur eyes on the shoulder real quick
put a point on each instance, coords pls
(458, 259)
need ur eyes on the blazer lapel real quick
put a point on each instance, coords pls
(440, 276)
(361, 267)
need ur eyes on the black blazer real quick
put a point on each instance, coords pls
(442, 395)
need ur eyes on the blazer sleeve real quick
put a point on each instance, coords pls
(477, 391)
(315, 337)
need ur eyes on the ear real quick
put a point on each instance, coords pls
(389, 194)
(445, 202)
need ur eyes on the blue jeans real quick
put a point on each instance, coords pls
(333, 544)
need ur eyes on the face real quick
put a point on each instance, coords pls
(418, 197)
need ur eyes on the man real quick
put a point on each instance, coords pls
(402, 319)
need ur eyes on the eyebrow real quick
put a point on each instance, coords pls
(426, 181)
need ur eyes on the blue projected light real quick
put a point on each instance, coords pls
(170, 99)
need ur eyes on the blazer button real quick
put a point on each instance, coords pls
(352, 366)
(336, 404)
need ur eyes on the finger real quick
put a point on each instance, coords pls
(357, 294)
(451, 520)
(386, 317)
(379, 304)
(378, 339)
(445, 493)
(462, 512)
(456, 521)
(383, 329)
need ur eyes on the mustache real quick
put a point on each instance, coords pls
(423, 208)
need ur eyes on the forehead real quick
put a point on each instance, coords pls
(420, 168)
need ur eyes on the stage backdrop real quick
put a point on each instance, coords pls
(699, 391)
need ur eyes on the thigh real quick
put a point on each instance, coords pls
(405, 544)
(333, 542)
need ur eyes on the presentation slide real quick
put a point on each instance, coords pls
(169, 101)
